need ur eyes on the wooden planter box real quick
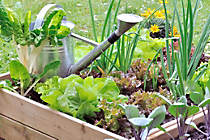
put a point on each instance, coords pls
(25, 119)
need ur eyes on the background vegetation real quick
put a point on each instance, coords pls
(79, 13)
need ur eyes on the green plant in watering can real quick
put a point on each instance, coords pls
(14, 28)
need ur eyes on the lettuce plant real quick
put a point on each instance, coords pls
(13, 28)
(147, 47)
(76, 96)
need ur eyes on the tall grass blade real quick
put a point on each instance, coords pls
(167, 41)
(150, 64)
(181, 80)
(106, 19)
(116, 11)
(164, 70)
(123, 53)
(190, 35)
(195, 10)
(172, 42)
(199, 49)
(200, 74)
(93, 23)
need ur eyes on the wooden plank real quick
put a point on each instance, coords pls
(5, 76)
(49, 121)
(12, 130)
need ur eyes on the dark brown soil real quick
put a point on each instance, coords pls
(35, 96)
(195, 134)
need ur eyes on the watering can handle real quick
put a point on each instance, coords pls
(43, 11)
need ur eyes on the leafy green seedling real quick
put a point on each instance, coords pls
(202, 100)
(141, 124)
(180, 110)
(19, 73)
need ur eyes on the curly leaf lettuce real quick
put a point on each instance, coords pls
(77, 96)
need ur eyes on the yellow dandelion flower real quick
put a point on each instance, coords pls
(175, 29)
(163, 11)
(154, 28)
(150, 10)
(177, 35)
(175, 32)
(145, 14)
(161, 1)
(159, 14)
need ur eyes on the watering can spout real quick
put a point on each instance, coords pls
(125, 22)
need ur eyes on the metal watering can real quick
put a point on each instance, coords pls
(65, 54)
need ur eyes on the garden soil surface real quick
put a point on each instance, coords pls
(196, 135)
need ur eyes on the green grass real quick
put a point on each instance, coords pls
(79, 13)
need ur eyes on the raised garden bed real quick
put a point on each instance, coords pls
(36, 121)
(23, 118)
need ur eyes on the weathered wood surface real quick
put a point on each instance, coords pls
(5, 76)
(49, 121)
(13, 130)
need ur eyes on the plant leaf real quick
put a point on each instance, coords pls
(158, 115)
(197, 97)
(189, 122)
(204, 102)
(140, 121)
(86, 108)
(183, 99)
(196, 92)
(50, 66)
(174, 108)
(162, 129)
(164, 98)
(19, 72)
(192, 110)
(63, 32)
(27, 23)
(131, 111)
